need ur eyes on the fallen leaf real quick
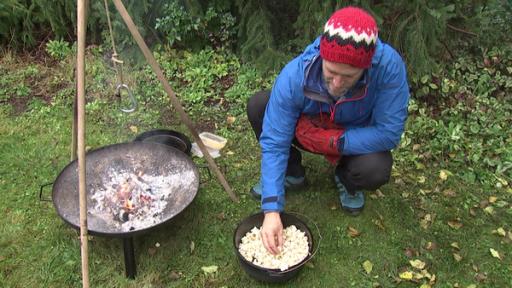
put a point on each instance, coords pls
(230, 152)
(475, 268)
(425, 285)
(379, 193)
(443, 174)
(421, 179)
(455, 245)
(431, 246)
(192, 247)
(368, 266)
(471, 286)
(418, 276)
(502, 181)
(418, 264)
(484, 203)
(134, 129)
(425, 222)
(495, 253)
(492, 199)
(209, 269)
(457, 257)
(379, 224)
(407, 275)
(449, 193)
(489, 210)
(425, 192)
(310, 265)
(410, 252)
(455, 224)
(231, 119)
(174, 275)
(472, 211)
(352, 232)
(500, 231)
(480, 277)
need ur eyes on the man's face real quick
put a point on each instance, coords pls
(340, 77)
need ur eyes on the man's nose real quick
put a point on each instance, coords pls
(337, 82)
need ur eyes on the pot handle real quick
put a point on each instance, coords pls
(41, 193)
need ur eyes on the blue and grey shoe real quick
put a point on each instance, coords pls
(290, 183)
(351, 203)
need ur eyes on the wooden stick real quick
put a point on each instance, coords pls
(174, 100)
(80, 64)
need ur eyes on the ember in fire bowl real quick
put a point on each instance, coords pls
(131, 187)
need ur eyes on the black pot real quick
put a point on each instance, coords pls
(167, 137)
(263, 274)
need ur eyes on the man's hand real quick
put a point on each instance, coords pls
(272, 232)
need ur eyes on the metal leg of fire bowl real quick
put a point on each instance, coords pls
(129, 258)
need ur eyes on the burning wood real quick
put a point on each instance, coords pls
(132, 200)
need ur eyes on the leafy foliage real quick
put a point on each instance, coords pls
(461, 116)
(58, 49)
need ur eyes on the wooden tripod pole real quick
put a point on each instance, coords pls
(80, 79)
(174, 100)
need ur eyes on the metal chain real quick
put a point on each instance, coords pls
(118, 66)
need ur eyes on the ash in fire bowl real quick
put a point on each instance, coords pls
(131, 201)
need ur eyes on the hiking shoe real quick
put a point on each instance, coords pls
(290, 183)
(352, 203)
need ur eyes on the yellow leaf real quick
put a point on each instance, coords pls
(492, 199)
(472, 286)
(134, 129)
(455, 245)
(418, 264)
(209, 269)
(425, 286)
(231, 119)
(422, 179)
(501, 232)
(443, 174)
(407, 275)
(368, 266)
(457, 257)
(495, 253)
(489, 210)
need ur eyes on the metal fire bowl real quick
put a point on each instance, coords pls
(151, 158)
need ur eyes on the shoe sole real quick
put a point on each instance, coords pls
(352, 211)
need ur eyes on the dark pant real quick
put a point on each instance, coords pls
(356, 172)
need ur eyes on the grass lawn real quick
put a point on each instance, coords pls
(426, 227)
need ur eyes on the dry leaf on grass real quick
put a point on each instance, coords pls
(418, 264)
(352, 232)
(368, 266)
(210, 269)
(455, 245)
(455, 224)
(407, 275)
(495, 253)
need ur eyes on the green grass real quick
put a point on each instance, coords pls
(37, 249)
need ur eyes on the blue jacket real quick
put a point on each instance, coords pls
(374, 121)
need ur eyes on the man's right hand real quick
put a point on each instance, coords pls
(272, 232)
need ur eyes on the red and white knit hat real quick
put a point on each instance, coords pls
(350, 37)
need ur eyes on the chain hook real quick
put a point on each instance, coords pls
(133, 101)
